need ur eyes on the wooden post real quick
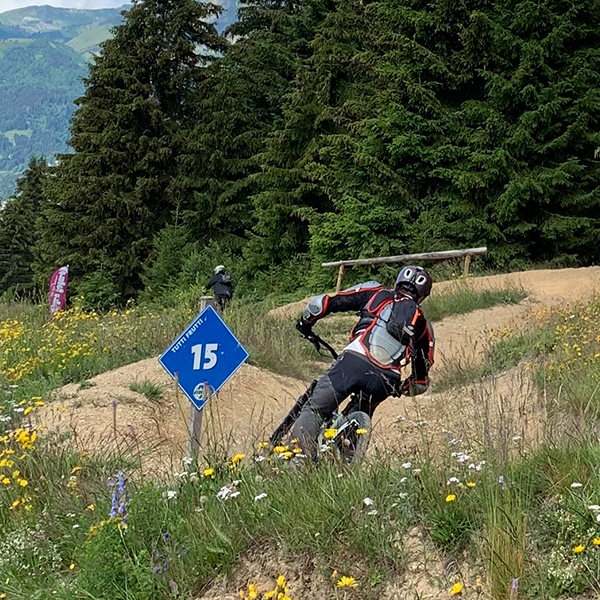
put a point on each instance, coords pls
(338, 285)
(195, 420)
(467, 265)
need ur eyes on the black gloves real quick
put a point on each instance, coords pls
(409, 387)
(304, 327)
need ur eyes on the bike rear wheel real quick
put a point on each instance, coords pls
(353, 436)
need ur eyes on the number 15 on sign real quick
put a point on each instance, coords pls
(205, 361)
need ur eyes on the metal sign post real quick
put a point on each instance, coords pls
(204, 356)
(195, 420)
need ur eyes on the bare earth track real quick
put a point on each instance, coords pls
(109, 415)
(501, 410)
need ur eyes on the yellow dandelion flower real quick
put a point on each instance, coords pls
(361, 431)
(471, 484)
(22, 482)
(346, 581)
(262, 445)
(450, 498)
(210, 472)
(72, 566)
(4, 480)
(281, 581)
(330, 433)
(90, 507)
(15, 504)
(456, 589)
(27, 410)
(596, 541)
(75, 469)
(280, 449)
(288, 455)
(579, 549)
(2, 595)
(237, 458)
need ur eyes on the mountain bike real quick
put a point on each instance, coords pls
(346, 435)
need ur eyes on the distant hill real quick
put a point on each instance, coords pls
(43, 58)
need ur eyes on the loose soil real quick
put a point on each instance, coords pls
(109, 416)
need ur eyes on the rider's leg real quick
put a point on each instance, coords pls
(376, 387)
(329, 392)
(350, 373)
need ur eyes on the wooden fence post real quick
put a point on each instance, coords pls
(338, 285)
(467, 265)
(195, 420)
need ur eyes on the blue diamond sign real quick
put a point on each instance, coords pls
(206, 353)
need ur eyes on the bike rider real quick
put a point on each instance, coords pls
(221, 281)
(391, 333)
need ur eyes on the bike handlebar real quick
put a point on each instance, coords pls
(318, 341)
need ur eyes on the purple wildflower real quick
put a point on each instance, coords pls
(120, 498)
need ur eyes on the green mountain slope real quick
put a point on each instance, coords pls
(39, 79)
(59, 24)
(43, 54)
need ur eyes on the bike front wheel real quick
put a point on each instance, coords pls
(353, 435)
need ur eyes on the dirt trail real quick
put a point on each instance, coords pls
(108, 414)
(427, 575)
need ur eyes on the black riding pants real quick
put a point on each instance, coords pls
(350, 373)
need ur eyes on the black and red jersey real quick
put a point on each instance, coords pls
(391, 331)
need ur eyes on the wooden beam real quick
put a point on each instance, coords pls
(338, 285)
(444, 255)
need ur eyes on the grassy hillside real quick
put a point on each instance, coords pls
(496, 515)
(40, 77)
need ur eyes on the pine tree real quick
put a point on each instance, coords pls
(528, 166)
(239, 104)
(119, 187)
(18, 230)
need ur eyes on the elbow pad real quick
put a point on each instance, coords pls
(316, 308)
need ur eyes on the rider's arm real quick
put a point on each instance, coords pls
(214, 279)
(353, 299)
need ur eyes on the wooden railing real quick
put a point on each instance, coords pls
(444, 255)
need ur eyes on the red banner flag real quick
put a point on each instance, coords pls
(58, 290)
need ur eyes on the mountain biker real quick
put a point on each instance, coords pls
(221, 280)
(391, 333)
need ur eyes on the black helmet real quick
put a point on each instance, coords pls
(415, 280)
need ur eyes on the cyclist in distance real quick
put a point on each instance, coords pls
(391, 333)
(221, 281)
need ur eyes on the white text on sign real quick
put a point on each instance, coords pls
(210, 356)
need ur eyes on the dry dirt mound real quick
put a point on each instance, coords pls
(109, 415)
(426, 575)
